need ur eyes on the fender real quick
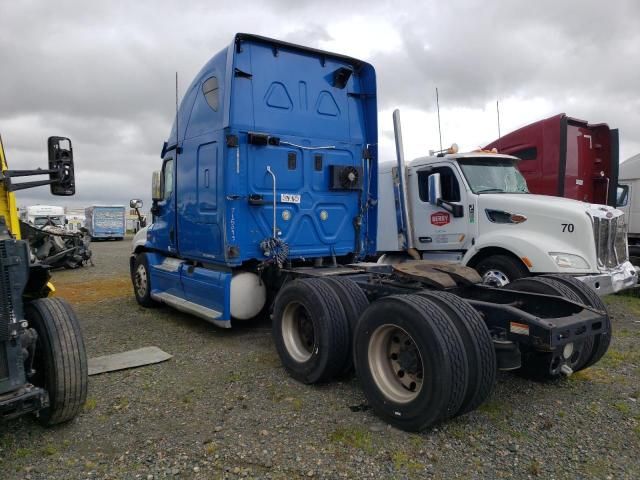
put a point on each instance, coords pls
(527, 244)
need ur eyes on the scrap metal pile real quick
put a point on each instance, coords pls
(54, 246)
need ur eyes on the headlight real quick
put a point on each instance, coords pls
(567, 260)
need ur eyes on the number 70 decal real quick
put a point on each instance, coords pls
(568, 227)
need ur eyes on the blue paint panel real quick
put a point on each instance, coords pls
(162, 280)
(209, 288)
(286, 92)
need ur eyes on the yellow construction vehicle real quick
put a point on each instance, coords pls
(43, 362)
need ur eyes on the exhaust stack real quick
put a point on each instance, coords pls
(406, 228)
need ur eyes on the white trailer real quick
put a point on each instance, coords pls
(628, 200)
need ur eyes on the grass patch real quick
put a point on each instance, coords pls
(402, 461)
(49, 450)
(622, 407)
(594, 375)
(535, 468)
(90, 405)
(495, 410)
(355, 437)
(105, 289)
(210, 448)
(616, 358)
(23, 452)
(627, 302)
(233, 377)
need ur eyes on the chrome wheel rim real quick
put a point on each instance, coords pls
(298, 332)
(141, 280)
(395, 363)
(495, 278)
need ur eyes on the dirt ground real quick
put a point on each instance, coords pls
(223, 407)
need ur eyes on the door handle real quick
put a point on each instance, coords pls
(172, 235)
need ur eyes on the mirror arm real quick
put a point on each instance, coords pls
(27, 173)
(14, 187)
(453, 208)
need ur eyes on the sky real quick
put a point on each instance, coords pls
(103, 73)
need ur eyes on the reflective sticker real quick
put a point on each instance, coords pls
(289, 198)
(519, 328)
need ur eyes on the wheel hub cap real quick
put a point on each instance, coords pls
(395, 363)
(495, 278)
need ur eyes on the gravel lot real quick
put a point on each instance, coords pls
(223, 407)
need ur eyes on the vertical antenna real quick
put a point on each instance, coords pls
(438, 108)
(177, 126)
(498, 112)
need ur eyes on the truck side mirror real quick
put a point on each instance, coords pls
(135, 203)
(61, 166)
(435, 189)
(156, 186)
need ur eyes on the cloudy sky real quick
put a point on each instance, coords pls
(103, 72)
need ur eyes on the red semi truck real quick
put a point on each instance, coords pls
(566, 157)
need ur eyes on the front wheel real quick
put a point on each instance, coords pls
(141, 279)
(60, 360)
(499, 270)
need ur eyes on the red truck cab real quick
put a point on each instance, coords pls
(566, 157)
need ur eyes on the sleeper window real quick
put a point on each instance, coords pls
(210, 91)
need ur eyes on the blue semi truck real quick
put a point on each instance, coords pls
(266, 203)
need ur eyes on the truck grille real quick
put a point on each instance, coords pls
(611, 241)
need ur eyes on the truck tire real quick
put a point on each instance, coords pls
(411, 361)
(142, 282)
(354, 302)
(499, 270)
(310, 330)
(590, 298)
(481, 355)
(60, 358)
(536, 364)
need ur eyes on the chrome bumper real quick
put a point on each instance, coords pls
(615, 280)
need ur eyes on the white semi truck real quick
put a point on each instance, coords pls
(475, 208)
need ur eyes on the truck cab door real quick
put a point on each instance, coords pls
(434, 227)
(163, 232)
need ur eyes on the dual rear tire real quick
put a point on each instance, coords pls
(420, 358)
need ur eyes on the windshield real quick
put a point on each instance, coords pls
(492, 175)
(41, 221)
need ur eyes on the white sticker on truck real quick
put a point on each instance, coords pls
(289, 198)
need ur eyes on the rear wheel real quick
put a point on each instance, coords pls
(481, 355)
(410, 361)
(310, 330)
(590, 298)
(575, 354)
(499, 270)
(60, 358)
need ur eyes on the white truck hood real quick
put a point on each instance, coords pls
(559, 224)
